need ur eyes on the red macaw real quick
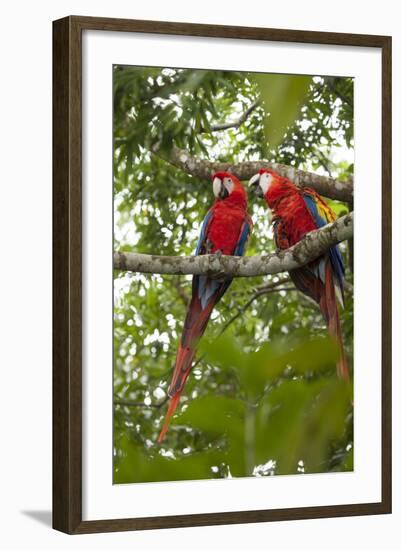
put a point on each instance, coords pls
(225, 230)
(296, 212)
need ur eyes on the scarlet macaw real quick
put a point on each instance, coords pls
(296, 212)
(225, 230)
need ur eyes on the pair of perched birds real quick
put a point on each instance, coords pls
(226, 229)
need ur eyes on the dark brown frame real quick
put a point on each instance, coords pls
(67, 278)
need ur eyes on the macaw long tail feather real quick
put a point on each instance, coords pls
(328, 305)
(183, 364)
(182, 368)
(170, 411)
(334, 328)
(194, 327)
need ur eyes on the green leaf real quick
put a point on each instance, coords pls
(214, 414)
(133, 465)
(282, 96)
(298, 421)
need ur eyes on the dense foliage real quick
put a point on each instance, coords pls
(263, 397)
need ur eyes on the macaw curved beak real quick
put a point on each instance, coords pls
(254, 184)
(219, 190)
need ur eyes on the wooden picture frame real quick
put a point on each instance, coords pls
(67, 273)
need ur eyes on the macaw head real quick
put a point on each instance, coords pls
(262, 182)
(271, 186)
(226, 186)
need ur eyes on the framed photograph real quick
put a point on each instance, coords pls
(222, 319)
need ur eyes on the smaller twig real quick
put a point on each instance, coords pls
(273, 284)
(324, 162)
(308, 301)
(176, 283)
(250, 302)
(130, 403)
(344, 99)
(233, 124)
(349, 287)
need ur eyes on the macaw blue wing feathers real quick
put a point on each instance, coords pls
(322, 215)
(206, 289)
(243, 238)
(314, 210)
(203, 234)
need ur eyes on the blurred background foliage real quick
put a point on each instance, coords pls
(263, 397)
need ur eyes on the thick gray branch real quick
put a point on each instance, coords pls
(310, 247)
(204, 169)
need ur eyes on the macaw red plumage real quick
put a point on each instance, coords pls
(225, 230)
(296, 212)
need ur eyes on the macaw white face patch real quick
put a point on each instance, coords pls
(265, 181)
(228, 184)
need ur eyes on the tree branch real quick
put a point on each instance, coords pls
(235, 123)
(310, 247)
(329, 187)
